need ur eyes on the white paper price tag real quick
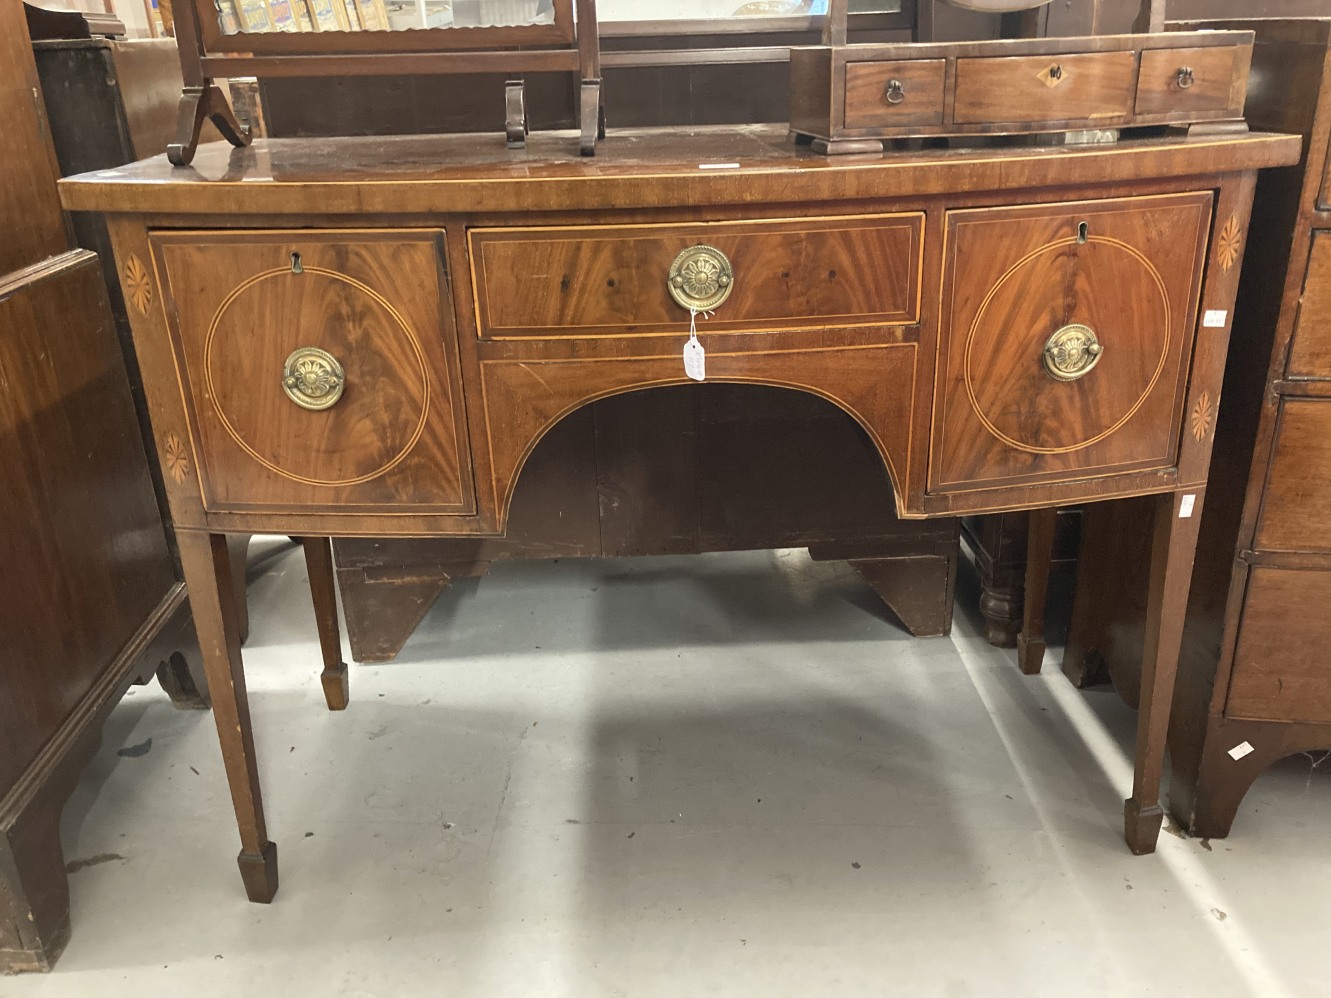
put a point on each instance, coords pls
(1215, 319)
(1240, 750)
(1186, 505)
(695, 359)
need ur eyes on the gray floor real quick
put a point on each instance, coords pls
(726, 775)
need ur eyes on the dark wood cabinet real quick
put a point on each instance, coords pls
(90, 600)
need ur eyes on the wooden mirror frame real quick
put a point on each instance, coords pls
(206, 53)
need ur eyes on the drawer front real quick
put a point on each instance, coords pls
(1296, 505)
(1281, 669)
(243, 304)
(894, 93)
(1066, 334)
(1193, 79)
(613, 280)
(1026, 89)
(1310, 353)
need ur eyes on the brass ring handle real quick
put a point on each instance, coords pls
(895, 92)
(701, 278)
(1186, 78)
(1071, 352)
(313, 379)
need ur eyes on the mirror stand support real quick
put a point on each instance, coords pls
(515, 113)
(201, 99)
(591, 116)
(197, 105)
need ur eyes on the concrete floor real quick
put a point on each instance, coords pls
(726, 775)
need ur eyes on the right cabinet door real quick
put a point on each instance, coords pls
(1066, 334)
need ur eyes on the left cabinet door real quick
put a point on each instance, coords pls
(320, 369)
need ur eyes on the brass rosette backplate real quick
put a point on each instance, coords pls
(701, 278)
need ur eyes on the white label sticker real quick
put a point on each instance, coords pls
(1240, 750)
(695, 359)
(1185, 507)
(1215, 318)
(718, 166)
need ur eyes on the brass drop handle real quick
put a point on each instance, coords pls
(313, 379)
(1186, 78)
(701, 278)
(895, 92)
(1071, 352)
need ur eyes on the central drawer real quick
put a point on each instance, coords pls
(1080, 87)
(613, 280)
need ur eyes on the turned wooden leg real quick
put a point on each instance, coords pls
(197, 105)
(207, 565)
(1039, 559)
(1173, 546)
(319, 562)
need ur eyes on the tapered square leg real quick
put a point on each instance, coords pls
(259, 872)
(1141, 826)
(1173, 548)
(212, 594)
(323, 590)
(1039, 559)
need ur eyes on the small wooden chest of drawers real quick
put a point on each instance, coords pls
(844, 97)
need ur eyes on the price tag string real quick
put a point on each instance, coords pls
(695, 357)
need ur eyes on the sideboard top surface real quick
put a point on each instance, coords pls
(640, 168)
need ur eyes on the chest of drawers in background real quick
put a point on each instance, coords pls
(1255, 674)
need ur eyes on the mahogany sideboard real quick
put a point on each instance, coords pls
(1254, 683)
(345, 337)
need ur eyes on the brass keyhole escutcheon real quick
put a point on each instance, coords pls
(313, 379)
(701, 278)
(1071, 352)
(1186, 77)
(895, 92)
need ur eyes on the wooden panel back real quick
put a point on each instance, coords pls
(1297, 505)
(611, 280)
(1310, 353)
(1281, 670)
(1016, 275)
(375, 302)
(1056, 88)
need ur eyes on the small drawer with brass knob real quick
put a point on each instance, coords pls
(1192, 79)
(894, 93)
